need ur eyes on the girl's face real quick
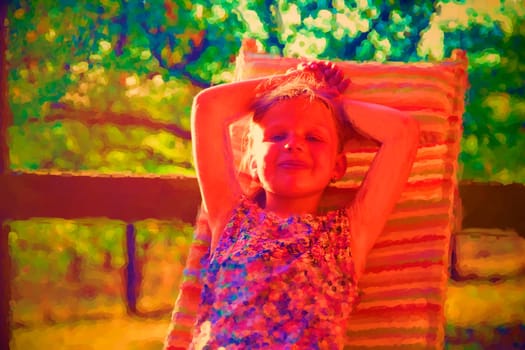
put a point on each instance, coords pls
(295, 149)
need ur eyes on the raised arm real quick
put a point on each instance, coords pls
(385, 180)
(214, 109)
(382, 186)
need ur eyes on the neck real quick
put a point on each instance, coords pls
(287, 206)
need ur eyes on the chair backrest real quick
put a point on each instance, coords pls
(404, 285)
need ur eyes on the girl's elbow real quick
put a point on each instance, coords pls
(200, 108)
(206, 97)
(200, 99)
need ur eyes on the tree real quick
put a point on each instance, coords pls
(493, 142)
(112, 70)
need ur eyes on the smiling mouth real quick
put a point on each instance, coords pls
(293, 164)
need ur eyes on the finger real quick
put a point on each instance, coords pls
(336, 77)
(315, 65)
(328, 65)
(343, 85)
(330, 74)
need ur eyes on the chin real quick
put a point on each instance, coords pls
(294, 191)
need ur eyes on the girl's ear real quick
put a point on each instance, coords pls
(340, 166)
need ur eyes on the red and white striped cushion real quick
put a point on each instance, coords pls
(404, 285)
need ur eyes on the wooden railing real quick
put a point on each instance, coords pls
(126, 198)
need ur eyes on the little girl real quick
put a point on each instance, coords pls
(280, 274)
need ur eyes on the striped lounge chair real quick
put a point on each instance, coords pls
(404, 285)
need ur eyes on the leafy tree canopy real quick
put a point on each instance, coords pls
(107, 85)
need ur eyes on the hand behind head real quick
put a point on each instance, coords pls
(326, 72)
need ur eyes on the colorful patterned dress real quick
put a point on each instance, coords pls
(277, 283)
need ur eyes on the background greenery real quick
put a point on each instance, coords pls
(107, 85)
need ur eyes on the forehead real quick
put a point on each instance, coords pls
(298, 111)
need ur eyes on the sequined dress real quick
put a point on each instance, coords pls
(279, 283)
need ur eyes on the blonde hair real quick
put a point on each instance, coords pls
(294, 85)
(300, 84)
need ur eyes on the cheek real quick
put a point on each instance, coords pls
(326, 158)
(263, 154)
(269, 156)
(325, 151)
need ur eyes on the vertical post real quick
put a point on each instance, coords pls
(131, 270)
(5, 286)
(5, 121)
(5, 111)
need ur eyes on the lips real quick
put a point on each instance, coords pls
(293, 164)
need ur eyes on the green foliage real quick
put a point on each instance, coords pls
(33, 243)
(494, 142)
(43, 250)
(71, 145)
(147, 59)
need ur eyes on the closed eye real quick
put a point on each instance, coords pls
(314, 138)
(276, 137)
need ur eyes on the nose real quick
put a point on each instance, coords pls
(293, 143)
